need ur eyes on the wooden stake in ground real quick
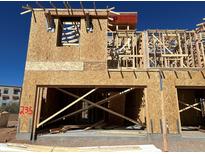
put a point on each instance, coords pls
(164, 125)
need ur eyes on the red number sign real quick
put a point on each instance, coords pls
(25, 110)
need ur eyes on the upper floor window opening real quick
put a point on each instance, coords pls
(69, 31)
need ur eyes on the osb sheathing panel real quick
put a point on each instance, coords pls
(43, 44)
(93, 45)
(153, 103)
(95, 66)
(27, 100)
(42, 47)
(171, 102)
(102, 78)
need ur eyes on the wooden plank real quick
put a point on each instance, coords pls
(103, 108)
(75, 10)
(24, 12)
(191, 50)
(162, 43)
(81, 4)
(65, 108)
(41, 6)
(53, 5)
(174, 55)
(91, 106)
(164, 124)
(180, 50)
(198, 50)
(202, 48)
(112, 12)
(97, 16)
(37, 100)
(94, 125)
(131, 56)
(189, 105)
(70, 127)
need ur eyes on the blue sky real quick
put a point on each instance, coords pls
(14, 28)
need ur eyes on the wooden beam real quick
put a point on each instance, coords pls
(81, 4)
(24, 12)
(198, 50)
(174, 55)
(41, 6)
(91, 106)
(200, 24)
(189, 105)
(30, 8)
(62, 9)
(94, 125)
(164, 123)
(101, 107)
(116, 13)
(53, 5)
(67, 7)
(97, 16)
(161, 43)
(65, 108)
(35, 112)
(109, 18)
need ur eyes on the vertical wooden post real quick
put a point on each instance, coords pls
(202, 48)
(180, 51)
(191, 50)
(146, 49)
(164, 127)
(198, 50)
(35, 112)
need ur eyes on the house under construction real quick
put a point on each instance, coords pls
(90, 68)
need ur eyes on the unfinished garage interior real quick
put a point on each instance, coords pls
(191, 107)
(106, 108)
(90, 69)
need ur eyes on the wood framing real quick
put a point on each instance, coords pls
(112, 56)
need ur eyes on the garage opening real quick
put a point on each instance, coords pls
(191, 108)
(64, 109)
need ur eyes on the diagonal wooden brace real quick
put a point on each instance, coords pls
(190, 106)
(65, 108)
(91, 106)
(103, 108)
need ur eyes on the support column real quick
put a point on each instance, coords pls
(26, 110)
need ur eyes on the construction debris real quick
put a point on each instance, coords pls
(4, 118)
(135, 127)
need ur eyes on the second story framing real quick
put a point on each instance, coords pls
(100, 39)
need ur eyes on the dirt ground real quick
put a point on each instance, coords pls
(8, 134)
